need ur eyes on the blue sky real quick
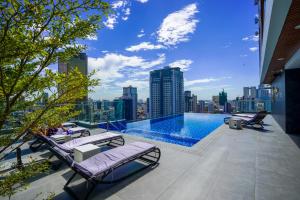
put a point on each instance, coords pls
(211, 40)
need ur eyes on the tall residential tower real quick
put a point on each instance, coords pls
(166, 92)
(130, 98)
(80, 61)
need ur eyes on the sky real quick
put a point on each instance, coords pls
(212, 41)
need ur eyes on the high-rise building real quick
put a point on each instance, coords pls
(227, 108)
(148, 105)
(210, 107)
(98, 105)
(80, 61)
(128, 108)
(216, 100)
(201, 106)
(246, 93)
(131, 93)
(250, 92)
(166, 92)
(106, 104)
(222, 98)
(118, 105)
(194, 103)
(253, 92)
(187, 101)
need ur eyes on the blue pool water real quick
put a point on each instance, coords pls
(186, 130)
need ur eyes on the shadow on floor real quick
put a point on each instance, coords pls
(103, 191)
(264, 130)
(295, 138)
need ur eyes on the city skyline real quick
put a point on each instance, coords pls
(192, 43)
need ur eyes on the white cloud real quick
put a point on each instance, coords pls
(110, 66)
(141, 34)
(253, 38)
(177, 26)
(253, 49)
(160, 60)
(205, 80)
(92, 37)
(111, 21)
(144, 46)
(118, 4)
(140, 84)
(243, 55)
(142, 1)
(141, 73)
(121, 10)
(193, 82)
(212, 88)
(126, 14)
(183, 64)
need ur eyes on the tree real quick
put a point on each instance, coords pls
(33, 35)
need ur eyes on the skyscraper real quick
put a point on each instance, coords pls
(253, 92)
(166, 92)
(148, 105)
(194, 103)
(131, 93)
(80, 61)
(201, 106)
(246, 93)
(222, 98)
(216, 100)
(119, 108)
(250, 92)
(128, 108)
(187, 101)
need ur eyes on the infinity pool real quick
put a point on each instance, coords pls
(186, 130)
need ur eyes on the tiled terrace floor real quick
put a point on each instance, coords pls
(228, 164)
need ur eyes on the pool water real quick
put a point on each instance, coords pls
(186, 130)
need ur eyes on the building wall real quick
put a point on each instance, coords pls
(194, 103)
(286, 103)
(292, 100)
(278, 102)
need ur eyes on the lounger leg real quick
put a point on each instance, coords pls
(69, 190)
(70, 179)
(51, 156)
(90, 190)
(55, 167)
(33, 148)
(72, 193)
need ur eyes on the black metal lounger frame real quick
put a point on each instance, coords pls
(146, 157)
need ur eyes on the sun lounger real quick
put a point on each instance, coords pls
(96, 168)
(113, 139)
(247, 121)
